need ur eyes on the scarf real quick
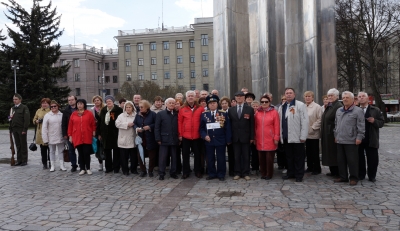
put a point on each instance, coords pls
(343, 109)
(261, 109)
(107, 120)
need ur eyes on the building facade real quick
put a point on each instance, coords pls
(179, 57)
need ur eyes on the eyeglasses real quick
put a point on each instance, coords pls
(53, 106)
(264, 101)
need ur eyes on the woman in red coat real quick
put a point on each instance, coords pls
(81, 130)
(266, 121)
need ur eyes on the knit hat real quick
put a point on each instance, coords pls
(109, 97)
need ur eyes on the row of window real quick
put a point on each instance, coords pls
(77, 78)
(167, 75)
(179, 60)
(99, 65)
(107, 91)
(179, 44)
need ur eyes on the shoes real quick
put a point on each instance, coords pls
(353, 182)
(18, 164)
(372, 180)
(287, 177)
(151, 174)
(221, 179)
(340, 180)
(89, 172)
(299, 179)
(284, 171)
(100, 167)
(280, 167)
(184, 176)
(199, 175)
(73, 169)
(82, 172)
(308, 170)
(52, 166)
(247, 178)
(161, 177)
(236, 178)
(62, 167)
(172, 176)
(330, 174)
(263, 177)
(143, 174)
(45, 166)
(211, 178)
(315, 173)
(23, 164)
(135, 172)
(267, 178)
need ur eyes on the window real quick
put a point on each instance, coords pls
(166, 75)
(128, 62)
(191, 43)
(153, 61)
(205, 73)
(77, 77)
(179, 45)
(180, 59)
(140, 62)
(141, 76)
(192, 59)
(388, 51)
(166, 45)
(99, 79)
(107, 66)
(127, 47)
(77, 91)
(166, 59)
(205, 86)
(99, 66)
(115, 79)
(128, 77)
(192, 87)
(115, 65)
(153, 46)
(76, 62)
(180, 75)
(108, 92)
(193, 74)
(205, 57)
(140, 46)
(154, 76)
(107, 79)
(115, 91)
(204, 39)
(63, 62)
(379, 53)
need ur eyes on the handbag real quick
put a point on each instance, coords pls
(66, 153)
(100, 153)
(33, 146)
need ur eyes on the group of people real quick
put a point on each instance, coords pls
(205, 126)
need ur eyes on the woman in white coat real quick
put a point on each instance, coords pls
(52, 135)
(126, 138)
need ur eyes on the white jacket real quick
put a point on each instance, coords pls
(51, 128)
(314, 116)
(297, 122)
(126, 135)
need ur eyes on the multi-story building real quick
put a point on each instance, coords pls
(93, 71)
(177, 56)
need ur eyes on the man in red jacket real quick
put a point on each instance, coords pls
(188, 128)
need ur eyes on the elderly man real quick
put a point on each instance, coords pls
(188, 126)
(19, 123)
(197, 93)
(179, 96)
(214, 92)
(349, 133)
(166, 135)
(370, 144)
(294, 131)
(244, 90)
(203, 93)
(136, 101)
(66, 114)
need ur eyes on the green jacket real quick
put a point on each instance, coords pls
(20, 119)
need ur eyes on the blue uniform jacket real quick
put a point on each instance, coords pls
(219, 136)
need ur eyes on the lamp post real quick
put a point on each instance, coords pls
(15, 67)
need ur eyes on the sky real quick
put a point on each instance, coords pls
(96, 22)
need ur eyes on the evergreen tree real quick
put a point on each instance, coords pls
(34, 45)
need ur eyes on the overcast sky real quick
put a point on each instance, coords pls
(96, 22)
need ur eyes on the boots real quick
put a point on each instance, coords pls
(52, 166)
(62, 167)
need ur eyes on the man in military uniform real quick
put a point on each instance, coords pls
(19, 123)
(215, 129)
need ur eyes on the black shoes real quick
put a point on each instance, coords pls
(143, 174)
(287, 177)
(308, 170)
(126, 173)
(151, 174)
(108, 171)
(23, 164)
(315, 173)
(44, 166)
(263, 177)
(18, 164)
(267, 178)
(73, 169)
(211, 178)
(331, 174)
(299, 179)
(221, 179)
(135, 172)
(161, 177)
(372, 180)
(184, 176)
(172, 176)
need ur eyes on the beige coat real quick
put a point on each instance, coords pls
(51, 130)
(314, 115)
(40, 113)
(126, 135)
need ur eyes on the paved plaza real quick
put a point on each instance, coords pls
(35, 199)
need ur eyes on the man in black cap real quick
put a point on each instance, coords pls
(242, 121)
(249, 97)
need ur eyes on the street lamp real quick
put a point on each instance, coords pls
(15, 67)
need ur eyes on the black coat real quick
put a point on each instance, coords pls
(243, 127)
(166, 128)
(65, 120)
(148, 120)
(109, 133)
(329, 147)
(374, 127)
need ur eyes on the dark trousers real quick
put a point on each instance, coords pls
(156, 157)
(22, 145)
(178, 159)
(312, 151)
(152, 155)
(112, 159)
(219, 151)
(44, 152)
(242, 164)
(295, 156)
(266, 160)
(164, 152)
(194, 146)
(334, 170)
(255, 165)
(347, 157)
(127, 154)
(84, 151)
(203, 155)
(280, 156)
(72, 154)
(231, 160)
(372, 161)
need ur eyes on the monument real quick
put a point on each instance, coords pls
(267, 45)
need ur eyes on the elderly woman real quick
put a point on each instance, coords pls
(178, 105)
(98, 105)
(255, 105)
(202, 103)
(52, 135)
(329, 147)
(81, 130)
(38, 120)
(144, 127)
(326, 102)
(267, 130)
(126, 137)
(312, 143)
